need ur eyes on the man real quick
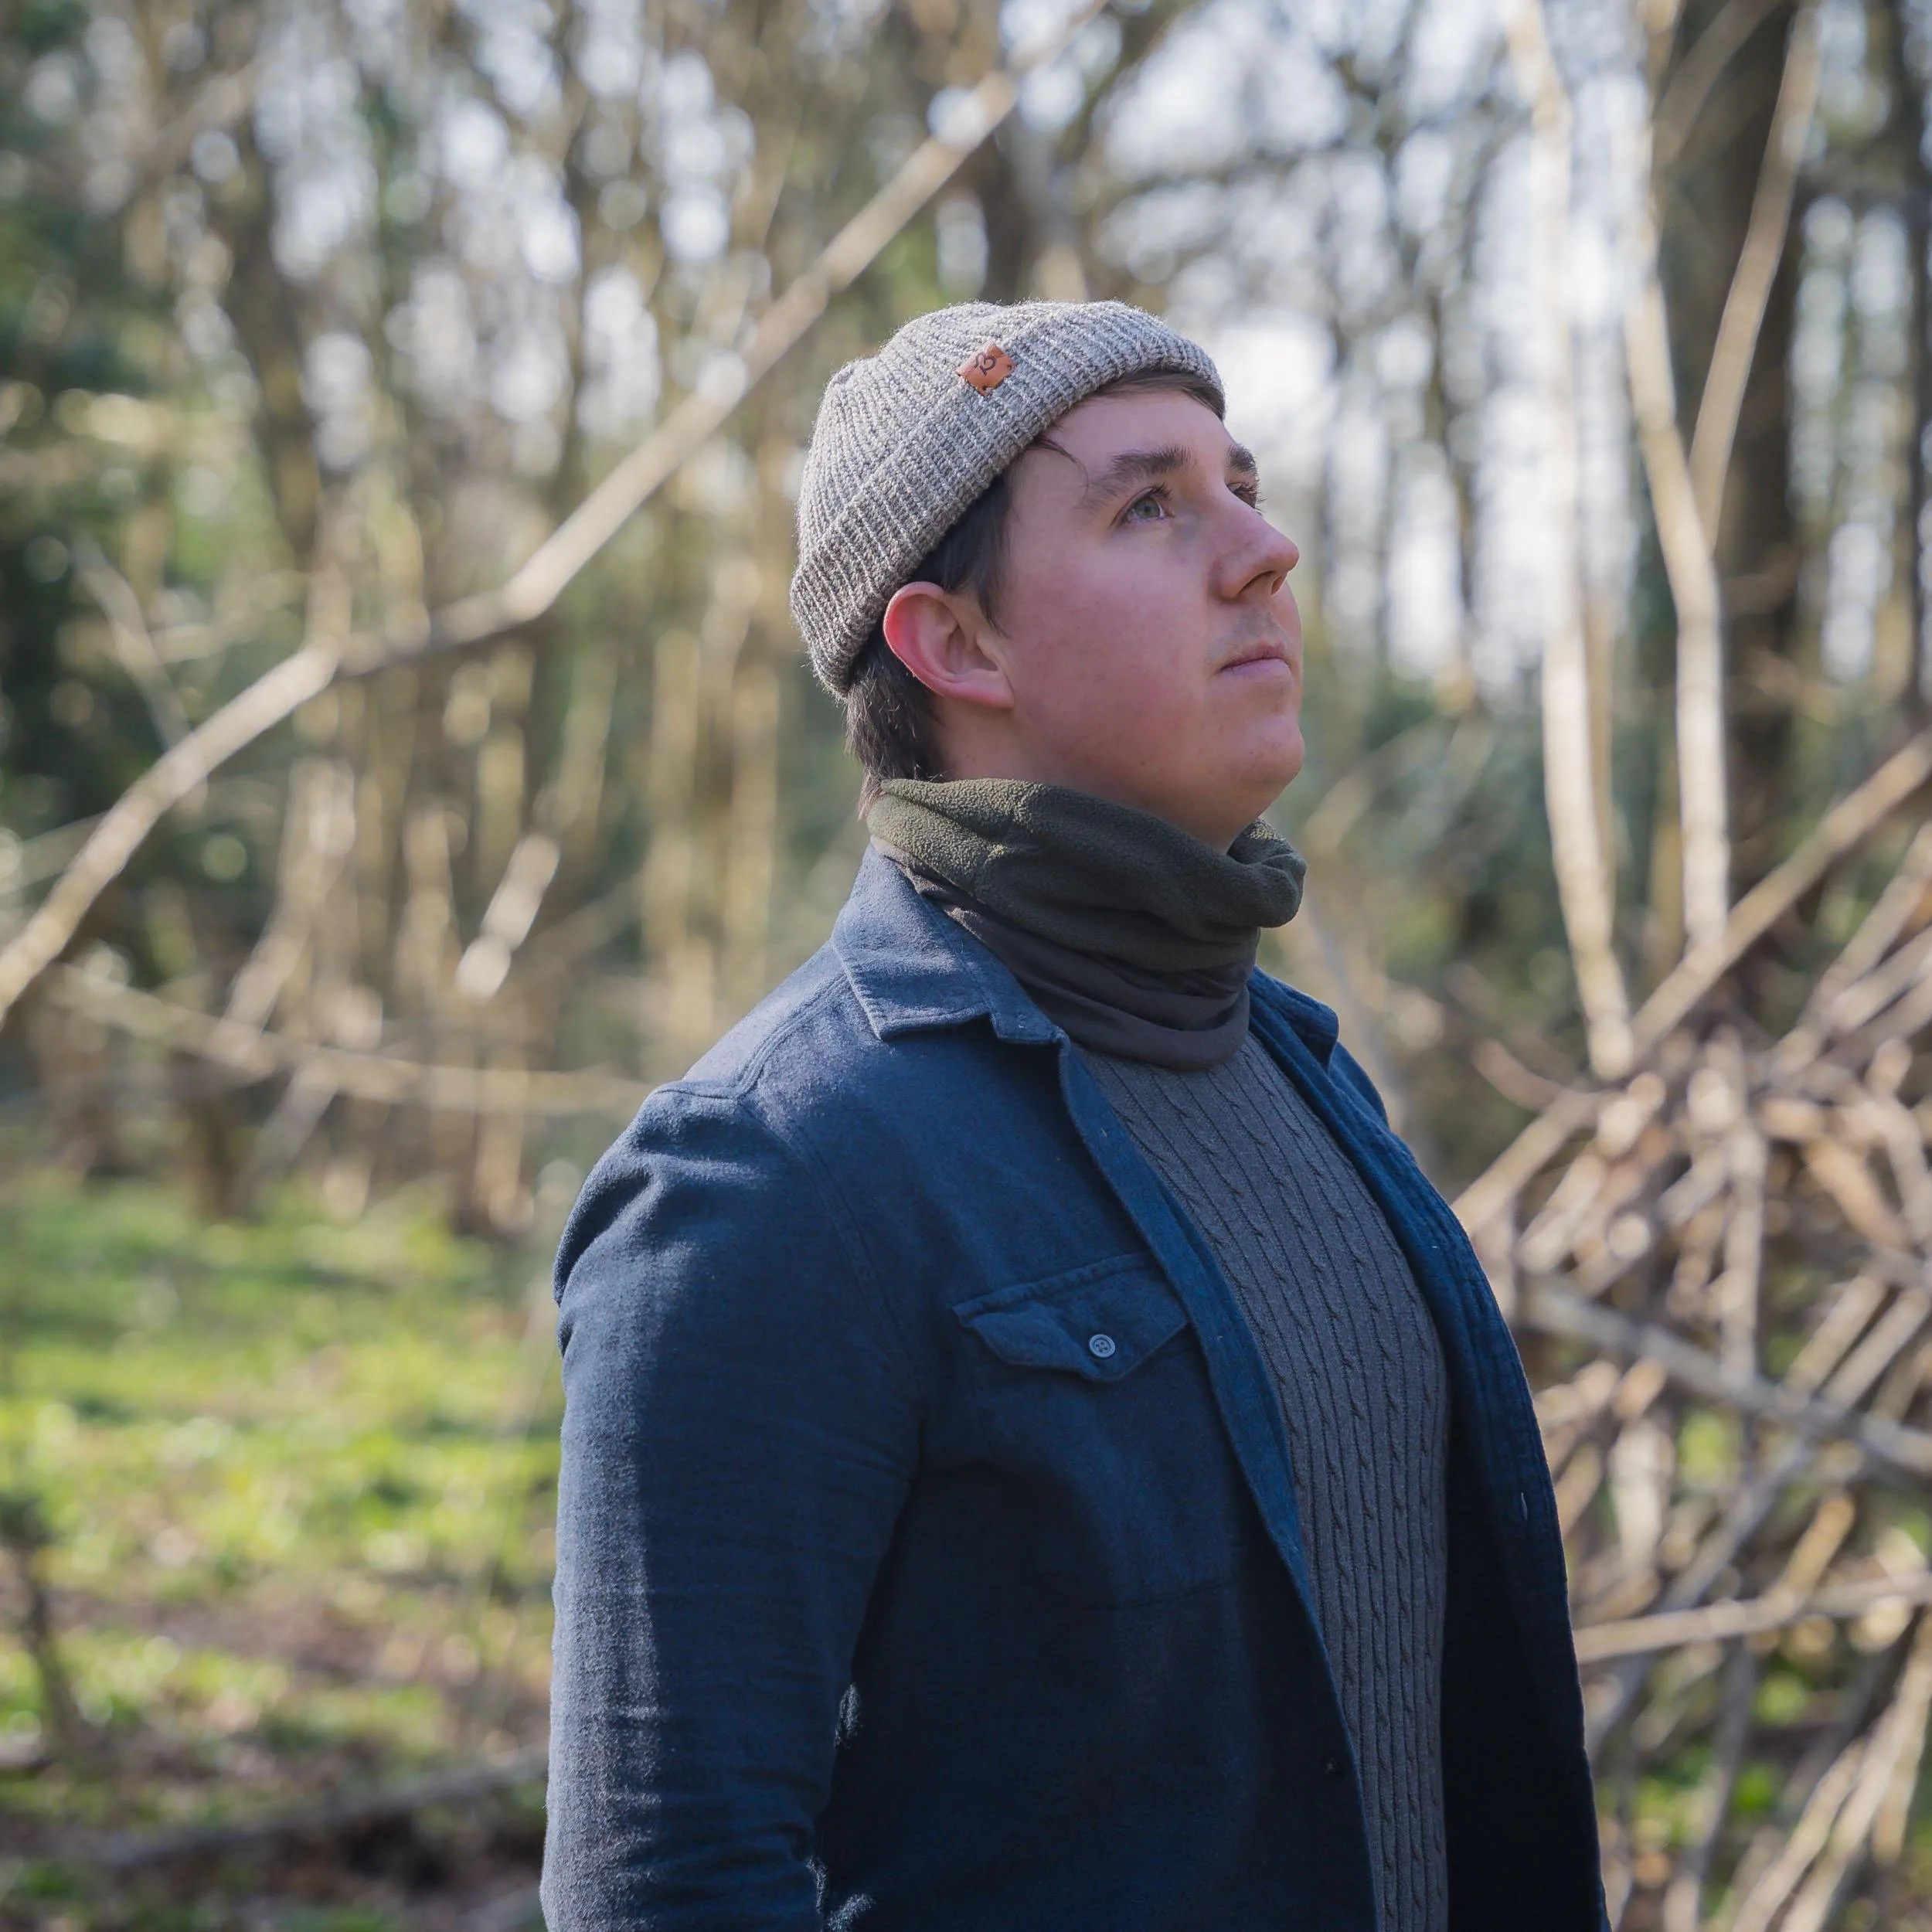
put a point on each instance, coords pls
(1039, 1454)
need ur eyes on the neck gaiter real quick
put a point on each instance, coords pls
(1134, 936)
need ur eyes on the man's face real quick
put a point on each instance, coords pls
(1146, 635)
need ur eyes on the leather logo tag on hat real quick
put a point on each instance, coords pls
(986, 370)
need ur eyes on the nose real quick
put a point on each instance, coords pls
(1258, 557)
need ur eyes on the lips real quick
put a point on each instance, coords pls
(1263, 650)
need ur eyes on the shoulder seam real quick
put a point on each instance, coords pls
(740, 1086)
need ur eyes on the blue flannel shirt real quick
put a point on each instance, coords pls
(885, 1600)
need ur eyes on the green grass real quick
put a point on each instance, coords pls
(298, 1480)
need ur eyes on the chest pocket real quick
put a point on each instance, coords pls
(1096, 1418)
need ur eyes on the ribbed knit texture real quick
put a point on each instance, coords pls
(1355, 1357)
(903, 444)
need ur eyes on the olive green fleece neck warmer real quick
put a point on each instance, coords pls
(1131, 934)
(1103, 879)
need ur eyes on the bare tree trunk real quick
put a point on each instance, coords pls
(1585, 885)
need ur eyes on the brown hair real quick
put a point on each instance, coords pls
(890, 718)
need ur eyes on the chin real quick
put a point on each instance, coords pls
(1274, 766)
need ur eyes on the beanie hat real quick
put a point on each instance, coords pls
(907, 439)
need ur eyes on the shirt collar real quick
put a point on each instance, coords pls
(911, 969)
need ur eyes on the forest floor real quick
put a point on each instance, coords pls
(285, 1490)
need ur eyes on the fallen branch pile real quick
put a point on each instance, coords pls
(1721, 1271)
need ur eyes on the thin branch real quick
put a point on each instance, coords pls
(126, 1850)
(1558, 1312)
(318, 832)
(1808, 1838)
(1499, 1183)
(1849, 822)
(122, 830)
(1736, 348)
(1685, 538)
(257, 1056)
(235, 620)
(1516, 1083)
(1699, 71)
(1900, 1736)
(1725, 1622)
(534, 588)
(42, 855)
(136, 649)
(1683, 1897)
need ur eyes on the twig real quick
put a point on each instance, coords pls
(120, 831)
(535, 587)
(42, 855)
(25, 1536)
(1513, 1081)
(1724, 1622)
(1863, 952)
(1684, 1896)
(319, 830)
(1697, 73)
(256, 1055)
(1852, 819)
(1750, 290)
(1499, 1185)
(1684, 536)
(135, 647)
(124, 1850)
(1557, 1311)
(1808, 1838)
(1900, 1736)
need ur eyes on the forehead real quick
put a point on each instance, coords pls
(1104, 427)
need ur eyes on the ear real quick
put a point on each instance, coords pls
(940, 636)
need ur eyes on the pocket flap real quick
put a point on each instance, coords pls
(1101, 1321)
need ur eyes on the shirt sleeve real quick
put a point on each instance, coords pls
(740, 1434)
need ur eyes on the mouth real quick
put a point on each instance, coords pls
(1261, 650)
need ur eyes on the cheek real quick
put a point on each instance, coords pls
(1113, 641)
(1119, 674)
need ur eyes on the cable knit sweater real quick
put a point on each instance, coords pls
(1354, 1358)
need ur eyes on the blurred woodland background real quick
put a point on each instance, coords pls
(406, 758)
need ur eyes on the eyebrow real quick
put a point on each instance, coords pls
(1134, 466)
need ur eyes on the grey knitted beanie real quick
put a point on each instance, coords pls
(907, 439)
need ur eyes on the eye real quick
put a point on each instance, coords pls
(1151, 506)
(1249, 491)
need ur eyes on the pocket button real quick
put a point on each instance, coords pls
(1100, 1346)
